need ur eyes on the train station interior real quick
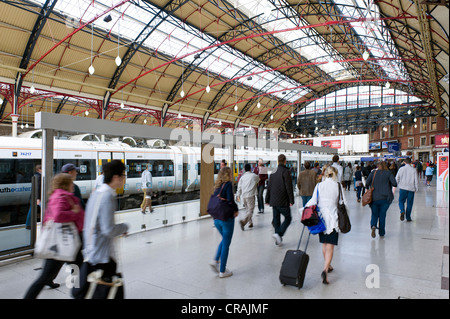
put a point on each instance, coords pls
(183, 88)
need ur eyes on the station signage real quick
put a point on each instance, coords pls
(441, 141)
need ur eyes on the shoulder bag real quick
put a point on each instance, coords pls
(367, 197)
(343, 220)
(220, 208)
(312, 219)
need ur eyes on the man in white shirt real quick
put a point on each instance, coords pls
(247, 190)
(146, 185)
(408, 183)
(338, 167)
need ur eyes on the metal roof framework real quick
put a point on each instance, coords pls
(221, 63)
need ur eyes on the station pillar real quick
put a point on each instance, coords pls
(207, 177)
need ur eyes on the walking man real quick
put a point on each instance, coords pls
(247, 188)
(146, 185)
(261, 172)
(280, 196)
(408, 182)
(306, 183)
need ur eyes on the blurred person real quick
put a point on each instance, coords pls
(146, 185)
(347, 176)
(98, 234)
(384, 184)
(247, 190)
(306, 183)
(429, 173)
(72, 170)
(280, 196)
(408, 183)
(62, 207)
(261, 171)
(338, 167)
(326, 196)
(358, 183)
(224, 186)
(38, 174)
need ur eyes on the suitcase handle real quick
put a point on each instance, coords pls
(301, 236)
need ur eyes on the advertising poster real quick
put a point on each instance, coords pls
(331, 144)
(442, 172)
(441, 141)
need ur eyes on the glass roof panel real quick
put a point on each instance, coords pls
(375, 34)
(266, 14)
(175, 41)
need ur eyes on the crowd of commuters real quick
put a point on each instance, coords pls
(320, 186)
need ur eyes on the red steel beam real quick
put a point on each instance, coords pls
(255, 35)
(72, 33)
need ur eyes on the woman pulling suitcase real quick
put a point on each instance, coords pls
(327, 203)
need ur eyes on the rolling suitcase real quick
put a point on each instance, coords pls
(294, 265)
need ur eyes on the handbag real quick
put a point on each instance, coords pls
(59, 241)
(318, 228)
(343, 220)
(367, 197)
(220, 208)
(312, 219)
(310, 216)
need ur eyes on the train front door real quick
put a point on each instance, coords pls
(105, 157)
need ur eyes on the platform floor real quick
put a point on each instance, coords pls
(172, 262)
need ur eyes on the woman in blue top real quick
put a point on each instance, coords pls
(429, 174)
(225, 227)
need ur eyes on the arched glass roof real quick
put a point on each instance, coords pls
(254, 63)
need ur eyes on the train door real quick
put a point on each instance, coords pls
(105, 157)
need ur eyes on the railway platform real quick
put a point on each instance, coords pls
(172, 262)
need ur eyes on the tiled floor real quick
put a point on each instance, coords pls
(412, 261)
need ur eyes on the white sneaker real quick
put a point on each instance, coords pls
(225, 274)
(215, 266)
(278, 239)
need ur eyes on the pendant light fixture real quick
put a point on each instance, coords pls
(91, 68)
(118, 60)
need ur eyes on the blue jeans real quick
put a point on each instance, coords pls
(280, 228)
(305, 199)
(358, 192)
(260, 198)
(379, 210)
(408, 197)
(226, 229)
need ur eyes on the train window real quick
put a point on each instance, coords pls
(158, 168)
(136, 167)
(86, 167)
(14, 171)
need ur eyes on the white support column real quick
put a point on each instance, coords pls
(15, 120)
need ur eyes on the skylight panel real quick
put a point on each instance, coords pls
(169, 38)
(383, 44)
(267, 15)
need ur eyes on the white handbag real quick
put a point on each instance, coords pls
(59, 241)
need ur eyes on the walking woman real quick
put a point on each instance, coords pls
(358, 183)
(384, 184)
(225, 227)
(326, 197)
(63, 207)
